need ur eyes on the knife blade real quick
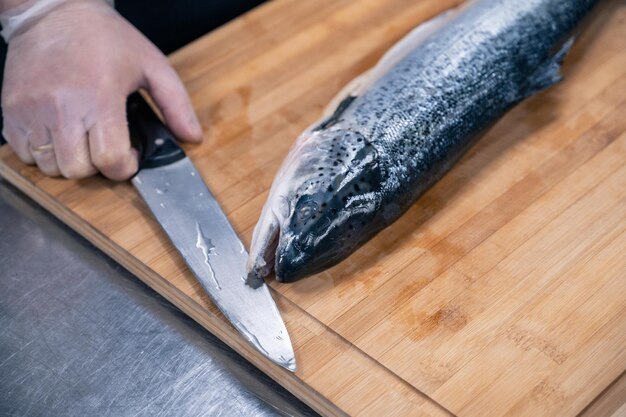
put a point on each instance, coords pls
(193, 220)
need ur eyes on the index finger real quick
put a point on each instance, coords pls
(110, 148)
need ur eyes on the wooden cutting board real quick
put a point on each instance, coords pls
(501, 292)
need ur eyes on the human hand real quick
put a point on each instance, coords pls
(66, 80)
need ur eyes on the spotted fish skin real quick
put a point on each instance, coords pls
(357, 171)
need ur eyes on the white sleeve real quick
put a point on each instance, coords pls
(15, 18)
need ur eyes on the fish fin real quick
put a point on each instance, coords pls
(398, 51)
(353, 88)
(407, 44)
(333, 118)
(549, 73)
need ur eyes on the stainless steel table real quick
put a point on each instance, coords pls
(80, 336)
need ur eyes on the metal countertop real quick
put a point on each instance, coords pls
(81, 336)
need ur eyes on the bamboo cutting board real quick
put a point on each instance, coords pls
(501, 292)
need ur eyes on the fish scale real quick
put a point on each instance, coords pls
(356, 171)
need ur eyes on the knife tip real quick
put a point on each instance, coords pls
(289, 364)
(279, 349)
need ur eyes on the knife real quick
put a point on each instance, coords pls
(191, 217)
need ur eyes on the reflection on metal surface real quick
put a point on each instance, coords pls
(203, 243)
(193, 220)
(80, 336)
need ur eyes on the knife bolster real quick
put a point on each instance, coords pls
(155, 142)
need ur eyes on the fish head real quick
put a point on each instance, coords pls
(321, 207)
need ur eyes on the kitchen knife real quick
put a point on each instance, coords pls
(187, 211)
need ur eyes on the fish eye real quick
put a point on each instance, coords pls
(306, 210)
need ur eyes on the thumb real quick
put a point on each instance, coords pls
(169, 94)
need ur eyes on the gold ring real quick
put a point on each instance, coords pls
(42, 148)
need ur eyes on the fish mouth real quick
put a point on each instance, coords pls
(289, 257)
(292, 263)
(295, 260)
(295, 254)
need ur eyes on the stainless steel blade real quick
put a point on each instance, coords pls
(199, 229)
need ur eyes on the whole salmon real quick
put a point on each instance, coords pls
(397, 129)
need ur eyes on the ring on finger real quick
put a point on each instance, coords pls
(42, 148)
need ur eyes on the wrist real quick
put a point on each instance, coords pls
(17, 14)
(6, 5)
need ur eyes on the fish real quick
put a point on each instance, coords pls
(393, 132)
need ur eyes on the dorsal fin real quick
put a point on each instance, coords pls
(394, 55)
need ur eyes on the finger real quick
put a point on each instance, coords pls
(42, 150)
(18, 139)
(110, 149)
(170, 96)
(71, 149)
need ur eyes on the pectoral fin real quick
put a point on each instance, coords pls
(549, 73)
(334, 117)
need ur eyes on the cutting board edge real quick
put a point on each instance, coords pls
(295, 385)
(210, 321)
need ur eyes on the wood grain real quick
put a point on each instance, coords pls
(501, 292)
(610, 403)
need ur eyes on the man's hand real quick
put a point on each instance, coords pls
(66, 80)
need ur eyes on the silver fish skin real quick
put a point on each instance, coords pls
(357, 171)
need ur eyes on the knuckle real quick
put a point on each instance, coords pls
(49, 170)
(109, 159)
(56, 97)
(115, 165)
(77, 171)
(127, 169)
(59, 108)
(119, 174)
(55, 104)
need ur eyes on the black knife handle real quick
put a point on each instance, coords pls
(155, 142)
